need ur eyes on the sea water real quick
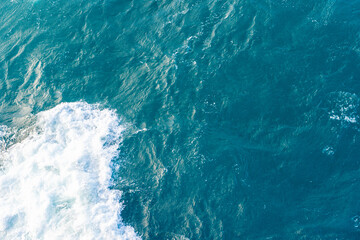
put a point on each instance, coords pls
(124, 119)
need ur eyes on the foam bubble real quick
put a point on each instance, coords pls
(345, 108)
(55, 182)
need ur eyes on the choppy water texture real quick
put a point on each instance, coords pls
(239, 119)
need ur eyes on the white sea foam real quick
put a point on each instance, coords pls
(345, 108)
(54, 183)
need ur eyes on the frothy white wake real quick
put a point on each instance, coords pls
(54, 184)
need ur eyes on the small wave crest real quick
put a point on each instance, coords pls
(55, 183)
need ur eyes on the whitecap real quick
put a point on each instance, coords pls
(55, 183)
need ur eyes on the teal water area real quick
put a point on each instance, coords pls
(242, 116)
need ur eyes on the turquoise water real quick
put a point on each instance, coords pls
(179, 119)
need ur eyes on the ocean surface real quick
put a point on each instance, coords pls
(124, 119)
